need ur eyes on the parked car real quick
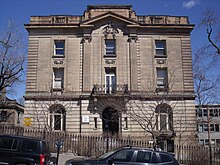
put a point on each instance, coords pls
(130, 155)
(20, 150)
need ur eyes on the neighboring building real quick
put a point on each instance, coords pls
(208, 124)
(86, 74)
(11, 113)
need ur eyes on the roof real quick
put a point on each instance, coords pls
(11, 104)
(110, 15)
(109, 7)
(208, 105)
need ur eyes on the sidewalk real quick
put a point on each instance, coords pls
(66, 156)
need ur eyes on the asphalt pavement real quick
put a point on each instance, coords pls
(63, 157)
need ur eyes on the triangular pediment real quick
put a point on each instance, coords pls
(107, 15)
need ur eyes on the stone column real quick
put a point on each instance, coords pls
(86, 64)
(133, 63)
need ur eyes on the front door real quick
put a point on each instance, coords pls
(110, 121)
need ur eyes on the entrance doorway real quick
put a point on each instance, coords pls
(110, 121)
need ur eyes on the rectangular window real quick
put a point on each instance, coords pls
(162, 77)
(217, 127)
(205, 113)
(211, 112)
(200, 128)
(58, 78)
(160, 48)
(3, 116)
(95, 123)
(205, 127)
(199, 112)
(212, 127)
(201, 141)
(216, 114)
(206, 141)
(57, 122)
(59, 48)
(163, 122)
(156, 122)
(110, 47)
(110, 80)
(212, 141)
(126, 122)
(18, 119)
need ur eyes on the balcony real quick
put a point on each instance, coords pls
(175, 20)
(62, 19)
(110, 89)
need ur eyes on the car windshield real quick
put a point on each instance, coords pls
(106, 155)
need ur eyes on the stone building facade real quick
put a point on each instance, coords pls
(111, 71)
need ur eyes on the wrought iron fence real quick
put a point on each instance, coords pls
(94, 146)
(110, 89)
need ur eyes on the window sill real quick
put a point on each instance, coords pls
(162, 89)
(57, 90)
(58, 56)
(110, 56)
(160, 56)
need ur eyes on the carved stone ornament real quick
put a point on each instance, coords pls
(110, 61)
(58, 62)
(110, 29)
(132, 38)
(161, 61)
(86, 38)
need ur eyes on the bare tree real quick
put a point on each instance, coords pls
(212, 22)
(154, 114)
(206, 76)
(160, 111)
(49, 111)
(206, 70)
(12, 58)
(206, 83)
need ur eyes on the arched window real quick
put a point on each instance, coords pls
(164, 117)
(57, 120)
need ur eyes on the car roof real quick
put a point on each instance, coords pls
(137, 148)
(146, 149)
(21, 137)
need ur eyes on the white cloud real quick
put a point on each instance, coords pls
(190, 3)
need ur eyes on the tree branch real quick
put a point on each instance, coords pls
(209, 32)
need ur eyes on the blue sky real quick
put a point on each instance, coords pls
(21, 10)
